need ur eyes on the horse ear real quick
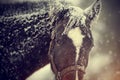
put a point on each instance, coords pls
(93, 11)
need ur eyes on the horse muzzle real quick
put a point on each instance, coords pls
(75, 72)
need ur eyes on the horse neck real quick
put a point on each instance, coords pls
(40, 18)
(24, 8)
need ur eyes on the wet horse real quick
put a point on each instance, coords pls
(31, 38)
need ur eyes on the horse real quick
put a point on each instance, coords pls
(33, 35)
(71, 43)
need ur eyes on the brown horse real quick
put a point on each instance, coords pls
(72, 41)
(29, 31)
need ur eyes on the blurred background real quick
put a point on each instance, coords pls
(104, 60)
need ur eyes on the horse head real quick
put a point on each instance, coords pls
(72, 41)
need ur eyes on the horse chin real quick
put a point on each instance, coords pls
(69, 76)
(73, 75)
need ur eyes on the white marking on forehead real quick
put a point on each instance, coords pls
(76, 37)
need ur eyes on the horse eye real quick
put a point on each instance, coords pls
(59, 42)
